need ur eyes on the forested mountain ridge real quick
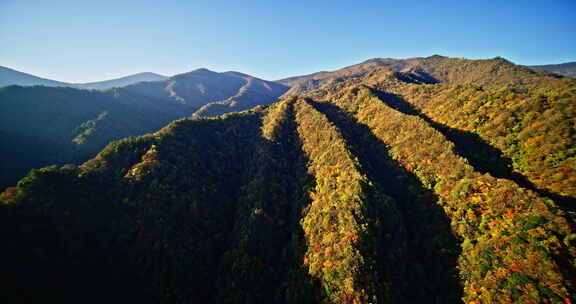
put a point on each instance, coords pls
(500, 119)
(383, 187)
(12, 77)
(433, 69)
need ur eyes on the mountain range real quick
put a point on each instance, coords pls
(12, 77)
(42, 125)
(422, 180)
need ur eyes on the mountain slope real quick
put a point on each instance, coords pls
(301, 84)
(565, 69)
(428, 70)
(369, 190)
(495, 110)
(12, 77)
(43, 125)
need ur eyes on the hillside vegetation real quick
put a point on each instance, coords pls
(40, 126)
(444, 181)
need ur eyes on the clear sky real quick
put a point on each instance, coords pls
(80, 41)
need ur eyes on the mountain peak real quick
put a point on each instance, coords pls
(149, 74)
(436, 56)
(202, 70)
(196, 72)
(237, 74)
(501, 59)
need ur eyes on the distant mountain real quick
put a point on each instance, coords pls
(427, 180)
(12, 77)
(216, 93)
(210, 93)
(565, 69)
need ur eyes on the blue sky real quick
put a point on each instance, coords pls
(94, 40)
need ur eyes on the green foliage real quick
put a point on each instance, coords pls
(531, 125)
(485, 211)
(335, 225)
(43, 126)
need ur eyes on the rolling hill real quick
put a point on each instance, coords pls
(565, 69)
(12, 77)
(120, 82)
(429, 179)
